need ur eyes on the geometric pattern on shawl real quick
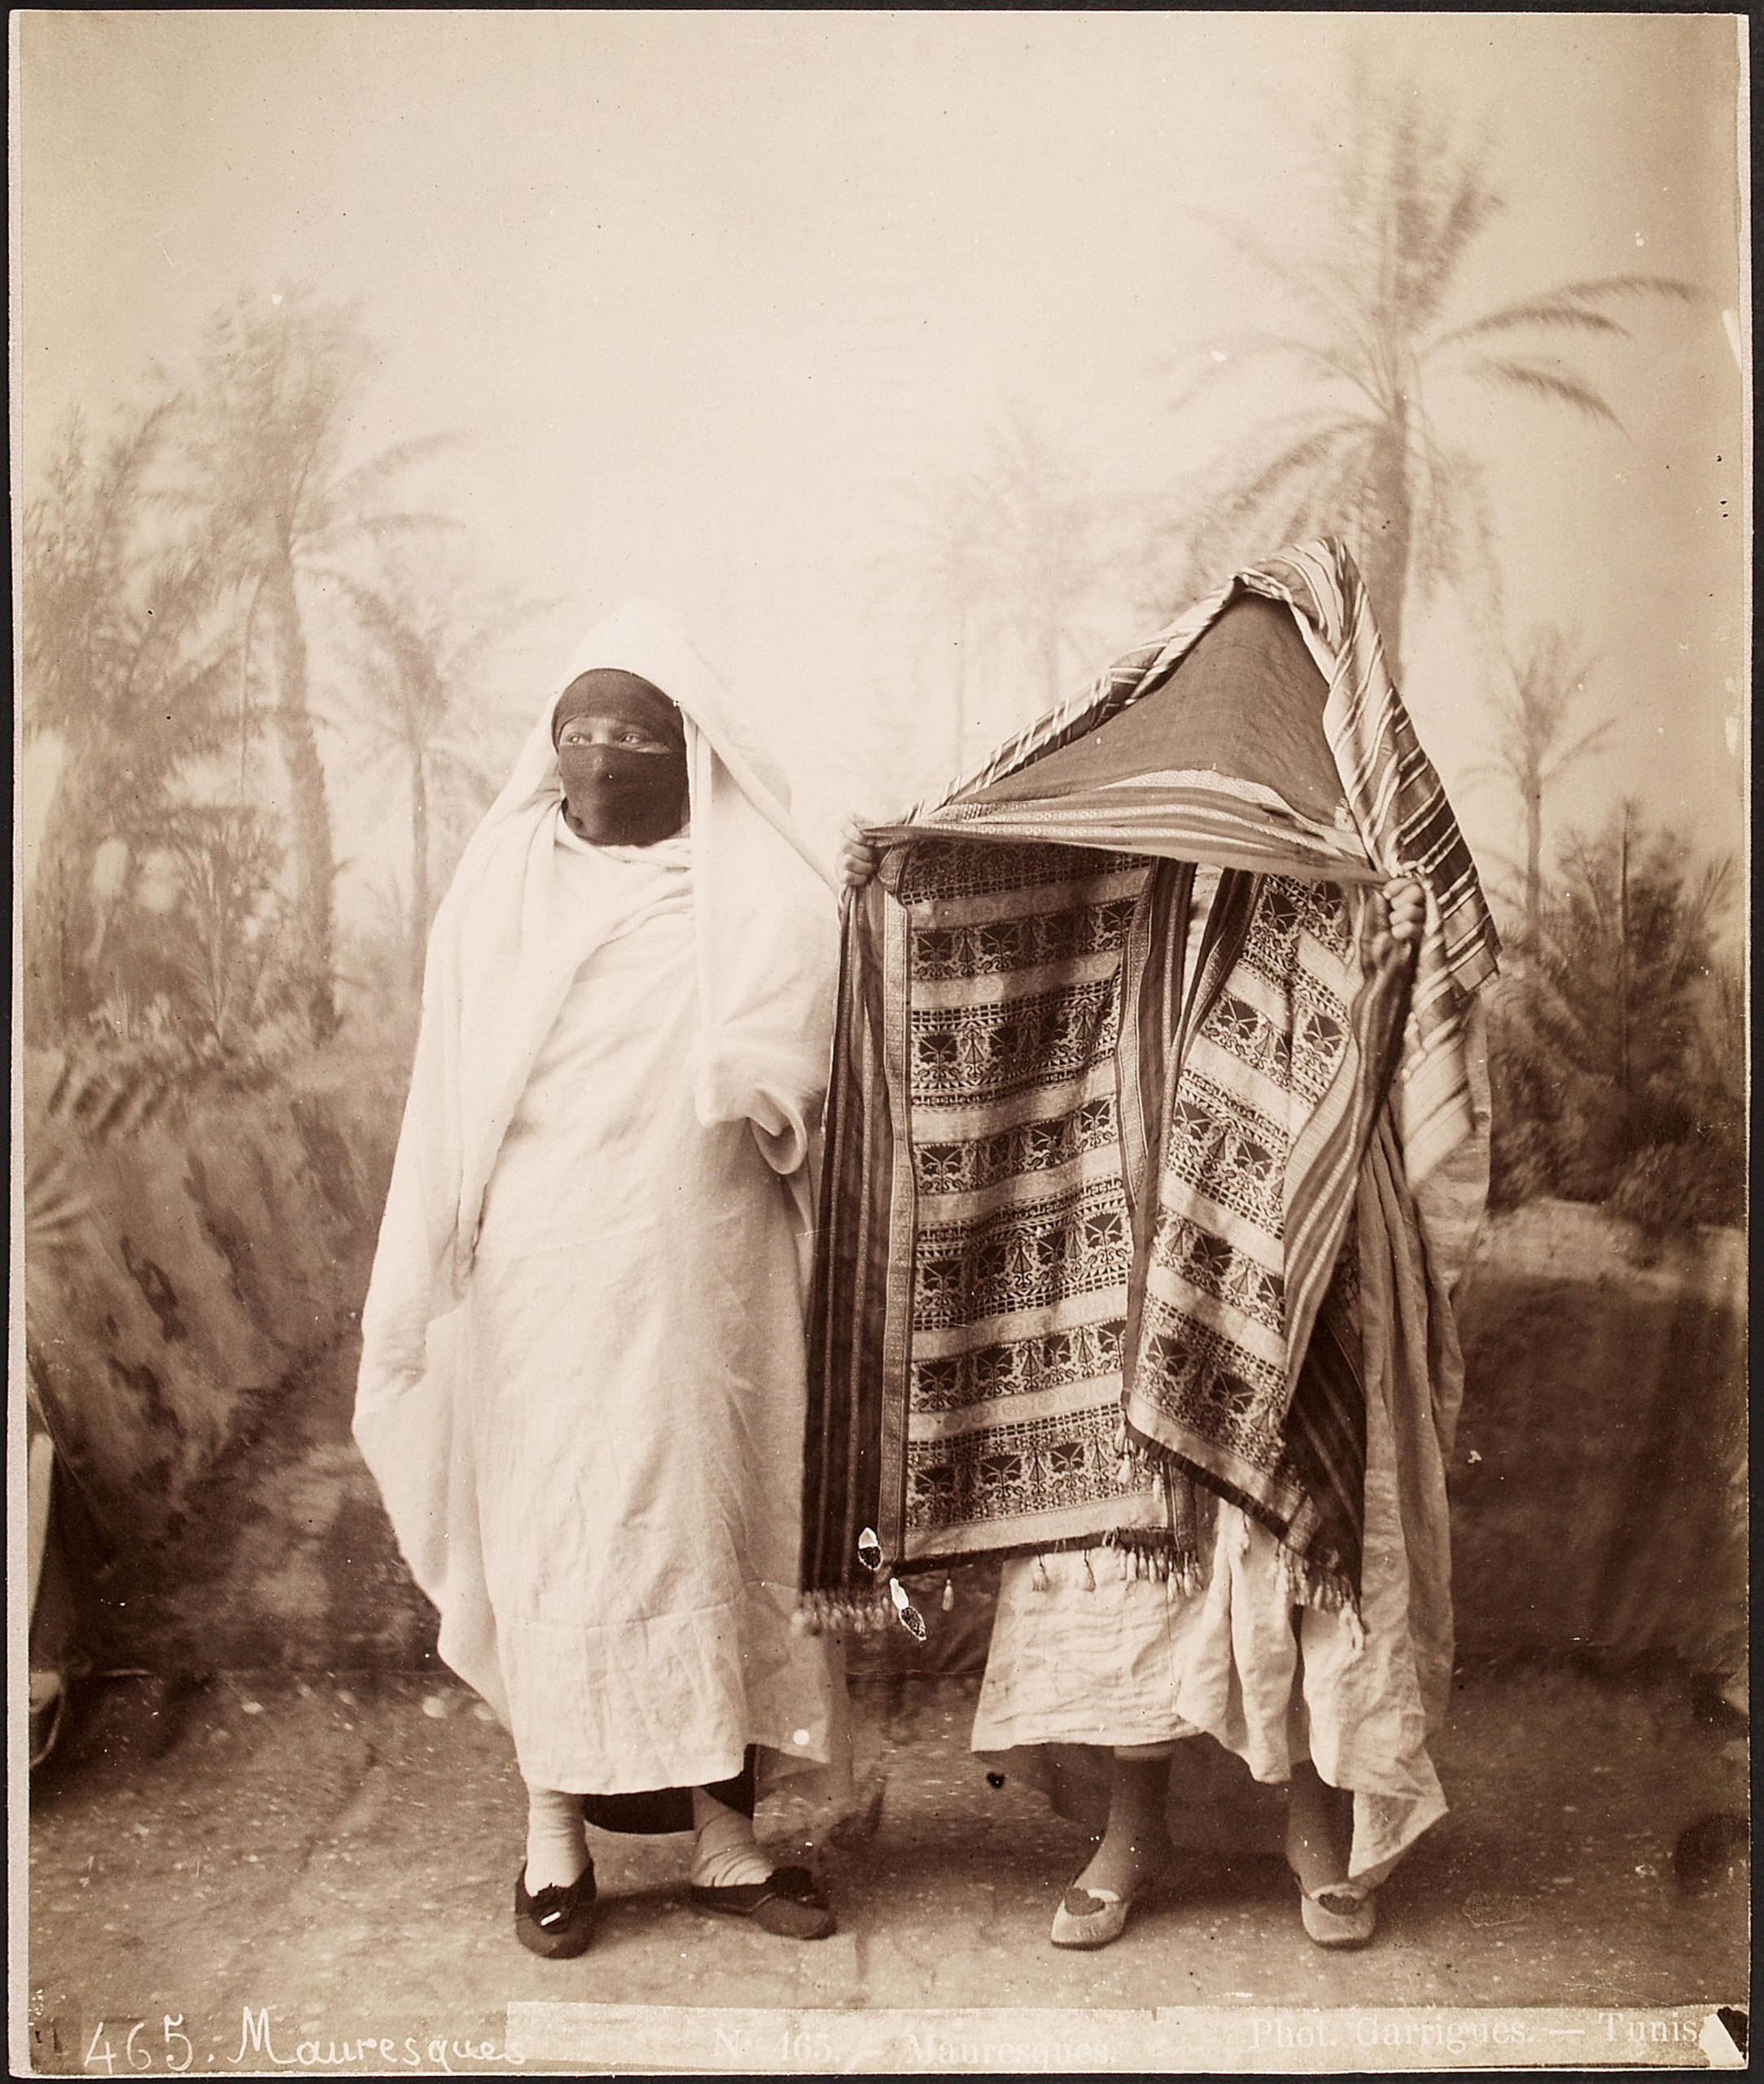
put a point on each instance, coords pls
(1385, 791)
(1229, 1377)
(945, 1411)
(1011, 1250)
(949, 1428)
(980, 1294)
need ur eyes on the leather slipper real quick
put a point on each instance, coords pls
(1089, 1918)
(557, 1923)
(788, 1903)
(1340, 1914)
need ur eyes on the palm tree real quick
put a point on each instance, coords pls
(1532, 717)
(126, 659)
(1620, 998)
(221, 936)
(933, 580)
(1411, 200)
(1004, 564)
(280, 380)
(424, 643)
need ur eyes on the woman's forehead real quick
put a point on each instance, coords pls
(610, 691)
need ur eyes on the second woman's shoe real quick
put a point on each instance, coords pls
(556, 1922)
(1090, 1917)
(1340, 1914)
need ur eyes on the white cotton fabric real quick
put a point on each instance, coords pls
(582, 1379)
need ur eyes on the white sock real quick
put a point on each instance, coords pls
(723, 1852)
(557, 1844)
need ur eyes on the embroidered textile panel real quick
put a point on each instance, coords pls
(1214, 1359)
(1022, 1246)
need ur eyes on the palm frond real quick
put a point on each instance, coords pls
(377, 528)
(1588, 742)
(1454, 543)
(383, 730)
(1222, 512)
(1472, 476)
(1545, 384)
(1545, 312)
(1600, 287)
(1443, 241)
(1313, 480)
(351, 491)
(1290, 343)
(1341, 312)
(1203, 369)
(463, 764)
(339, 576)
(497, 623)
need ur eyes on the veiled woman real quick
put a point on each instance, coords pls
(1157, 1143)
(582, 1377)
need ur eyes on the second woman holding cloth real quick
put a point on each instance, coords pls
(1156, 1140)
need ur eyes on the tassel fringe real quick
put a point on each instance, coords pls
(862, 1613)
(1131, 1553)
(1309, 1584)
(1325, 1591)
(1135, 1553)
(844, 1613)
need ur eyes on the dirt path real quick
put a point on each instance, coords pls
(341, 1852)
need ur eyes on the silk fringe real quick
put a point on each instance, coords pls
(1307, 1583)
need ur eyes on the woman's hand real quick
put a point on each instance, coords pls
(857, 856)
(1408, 902)
(1399, 914)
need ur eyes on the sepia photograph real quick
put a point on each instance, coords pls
(1098, 1422)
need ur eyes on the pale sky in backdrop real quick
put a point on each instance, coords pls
(706, 292)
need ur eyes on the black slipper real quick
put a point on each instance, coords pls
(788, 1903)
(557, 1922)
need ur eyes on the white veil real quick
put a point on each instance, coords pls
(498, 970)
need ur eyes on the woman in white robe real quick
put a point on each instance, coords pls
(582, 1377)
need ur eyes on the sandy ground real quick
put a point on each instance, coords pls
(330, 1861)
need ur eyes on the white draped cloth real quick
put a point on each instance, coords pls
(581, 1390)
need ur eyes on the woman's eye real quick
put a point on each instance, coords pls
(621, 740)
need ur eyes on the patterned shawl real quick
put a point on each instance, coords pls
(1083, 1214)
